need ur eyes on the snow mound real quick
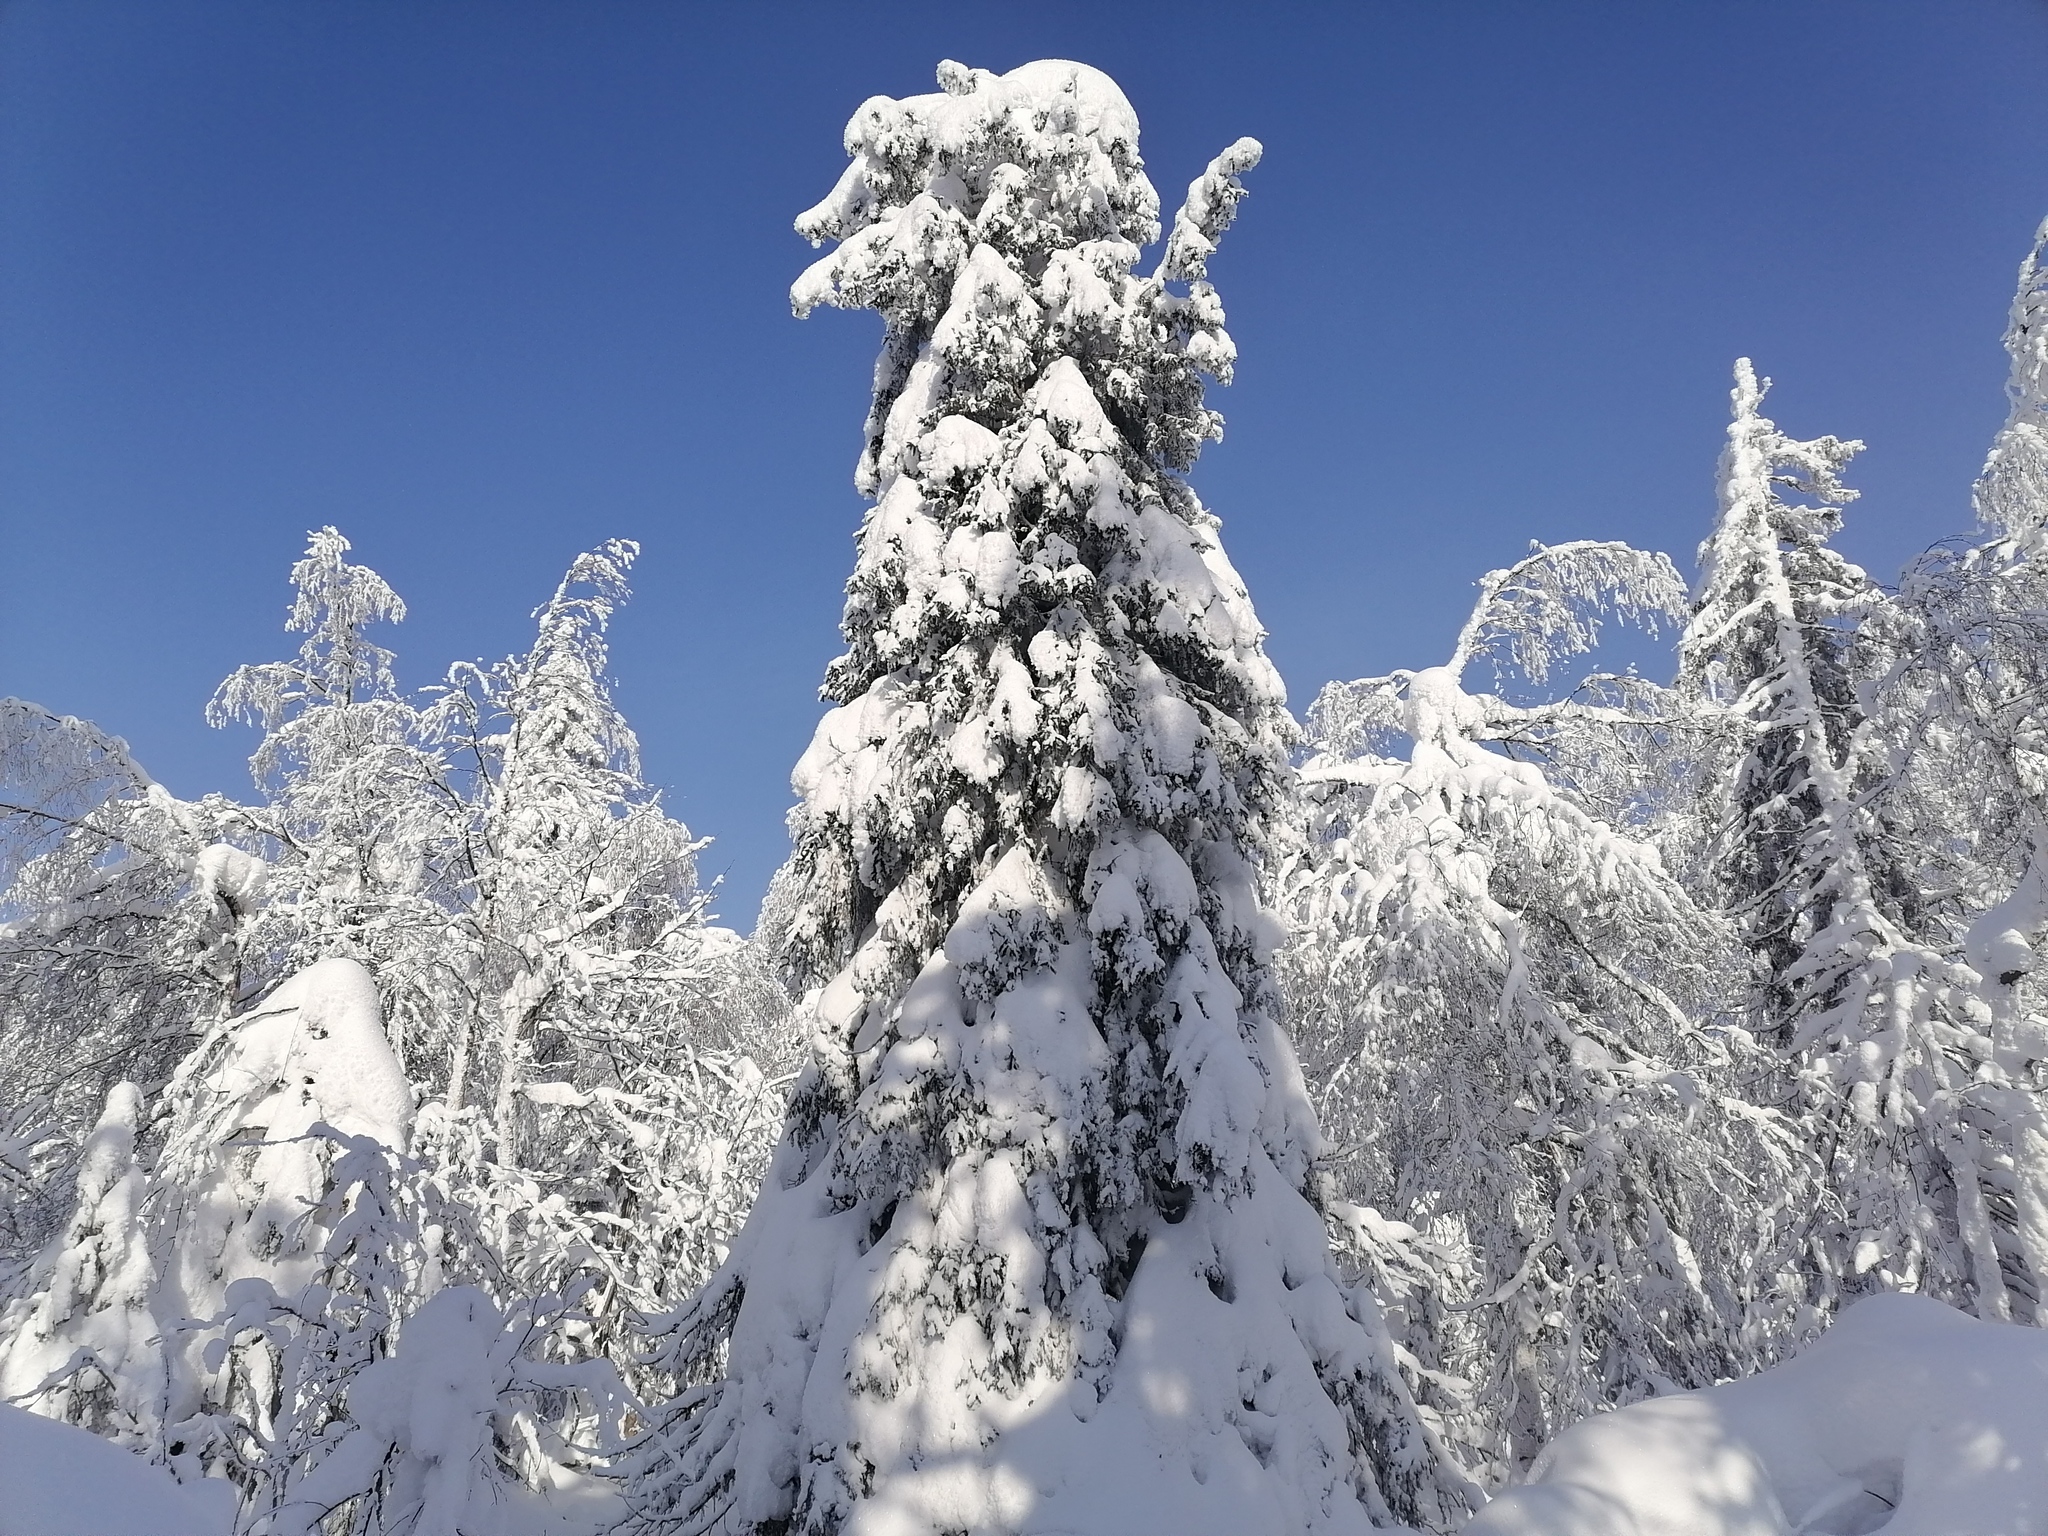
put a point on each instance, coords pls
(59, 1481)
(1907, 1418)
(316, 1050)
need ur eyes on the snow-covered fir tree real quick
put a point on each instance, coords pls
(83, 1345)
(2012, 491)
(1040, 1248)
(1541, 1153)
(1877, 1030)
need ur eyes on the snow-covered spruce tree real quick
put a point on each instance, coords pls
(1769, 638)
(1494, 993)
(84, 1346)
(1038, 1251)
(2012, 491)
(1876, 1030)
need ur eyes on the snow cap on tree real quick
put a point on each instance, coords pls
(1036, 1250)
(244, 1166)
(2012, 491)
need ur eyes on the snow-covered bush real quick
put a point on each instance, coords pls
(1498, 999)
(430, 1436)
(243, 1184)
(1908, 1418)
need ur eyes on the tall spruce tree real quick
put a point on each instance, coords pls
(1040, 1249)
(1876, 1028)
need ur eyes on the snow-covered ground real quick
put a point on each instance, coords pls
(1907, 1418)
(59, 1481)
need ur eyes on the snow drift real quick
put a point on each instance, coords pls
(57, 1480)
(1907, 1418)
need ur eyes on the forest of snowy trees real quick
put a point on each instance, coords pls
(1134, 1110)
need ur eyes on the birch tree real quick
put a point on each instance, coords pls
(1502, 1000)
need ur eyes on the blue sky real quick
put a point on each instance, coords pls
(483, 284)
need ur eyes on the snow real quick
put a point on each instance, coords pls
(245, 1165)
(59, 1481)
(1907, 1418)
(315, 1049)
(1646, 1033)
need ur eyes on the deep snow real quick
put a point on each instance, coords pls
(59, 1481)
(1907, 1418)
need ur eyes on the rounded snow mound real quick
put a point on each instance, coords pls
(1104, 112)
(56, 1480)
(318, 1044)
(1907, 1418)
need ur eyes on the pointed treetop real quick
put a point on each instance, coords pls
(335, 603)
(1759, 464)
(2012, 490)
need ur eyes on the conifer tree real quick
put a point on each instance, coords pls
(2012, 491)
(1040, 1247)
(1874, 1027)
(83, 1347)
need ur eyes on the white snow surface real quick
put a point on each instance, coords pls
(316, 1050)
(313, 1052)
(248, 1157)
(56, 1480)
(1907, 1418)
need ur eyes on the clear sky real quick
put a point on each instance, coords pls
(483, 284)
